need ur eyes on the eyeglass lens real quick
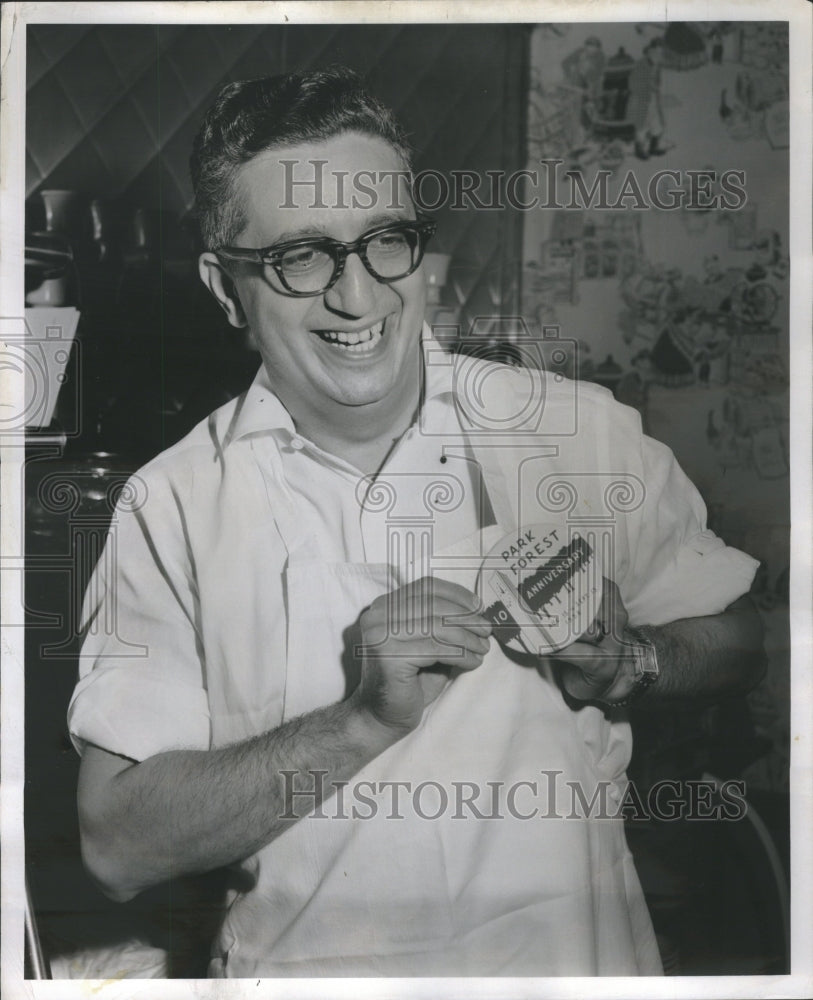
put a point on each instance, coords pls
(389, 255)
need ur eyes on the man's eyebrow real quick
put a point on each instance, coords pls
(320, 232)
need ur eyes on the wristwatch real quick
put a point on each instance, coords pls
(645, 658)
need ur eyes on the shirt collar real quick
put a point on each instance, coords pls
(260, 409)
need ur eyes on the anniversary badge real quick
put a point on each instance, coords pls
(541, 588)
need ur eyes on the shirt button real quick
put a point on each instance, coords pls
(297, 443)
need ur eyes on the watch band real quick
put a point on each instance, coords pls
(647, 670)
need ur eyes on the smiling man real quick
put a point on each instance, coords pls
(299, 681)
(346, 361)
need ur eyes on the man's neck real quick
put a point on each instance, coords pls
(362, 435)
(367, 444)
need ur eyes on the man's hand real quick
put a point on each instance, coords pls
(701, 659)
(411, 637)
(601, 659)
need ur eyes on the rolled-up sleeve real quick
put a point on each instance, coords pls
(141, 683)
(679, 568)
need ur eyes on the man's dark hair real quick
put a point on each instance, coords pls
(250, 116)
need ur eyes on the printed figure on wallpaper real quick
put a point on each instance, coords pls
(583, 70)
(603, 103)
(714, 327)
(598, 244)
(757, 105)
(644, 107)
(609, 103)
(746, 432)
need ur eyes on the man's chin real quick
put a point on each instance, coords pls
(376, 388)
(354, 398)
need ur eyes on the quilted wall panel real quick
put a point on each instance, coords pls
(112, 110)
(111, 113)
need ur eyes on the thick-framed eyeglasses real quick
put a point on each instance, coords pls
(312, 266)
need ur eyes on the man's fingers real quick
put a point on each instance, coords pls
(437, 588)
(425, 653)
(448, 612)
(449, 645)
(589, 670)
(470, 620)
(579, 652)
(581, 687)
(594, 662)
(450, 639)
(445, 642)
(410, 609)
(595, 633)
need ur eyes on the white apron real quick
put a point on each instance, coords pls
(453, 895)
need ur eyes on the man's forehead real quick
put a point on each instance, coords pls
(316, 185)
(336, 162)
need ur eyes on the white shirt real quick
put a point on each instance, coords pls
(236, 567)
(186, 610)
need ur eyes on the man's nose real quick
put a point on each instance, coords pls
(354, 293)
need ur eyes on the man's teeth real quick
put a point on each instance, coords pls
(357, 343)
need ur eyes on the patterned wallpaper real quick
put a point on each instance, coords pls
(682, 311)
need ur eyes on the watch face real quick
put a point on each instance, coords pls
(541, 587)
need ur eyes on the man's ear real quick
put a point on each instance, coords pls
(221, 284)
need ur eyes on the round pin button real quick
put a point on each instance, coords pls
(541, 587)
(297, 443)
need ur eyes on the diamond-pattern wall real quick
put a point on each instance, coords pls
(112, 109)
(111, 114)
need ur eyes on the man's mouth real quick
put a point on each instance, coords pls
(356, 342)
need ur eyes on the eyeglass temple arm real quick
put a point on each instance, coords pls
(236, 253)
